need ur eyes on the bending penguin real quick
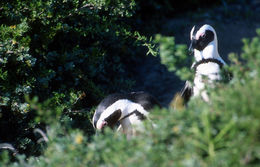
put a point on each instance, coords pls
(125, 110)
(208, 63)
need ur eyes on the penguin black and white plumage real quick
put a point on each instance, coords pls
(126, 109)
(208, 63)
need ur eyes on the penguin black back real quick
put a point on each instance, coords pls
(146, 100)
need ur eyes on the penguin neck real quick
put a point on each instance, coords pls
(209, 52)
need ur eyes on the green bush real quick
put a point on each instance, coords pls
(67, 53)
(174, 56)
(58, 59)
(224, 132)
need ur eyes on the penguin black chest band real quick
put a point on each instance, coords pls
(210, 60)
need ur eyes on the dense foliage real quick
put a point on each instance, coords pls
(224, 132)
(59, 58)
(70, 53)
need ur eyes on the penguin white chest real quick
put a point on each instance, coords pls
(206, 74)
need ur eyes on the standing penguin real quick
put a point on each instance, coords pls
(208, 63)
(128, 110)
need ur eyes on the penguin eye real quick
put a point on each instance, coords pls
(203, 35)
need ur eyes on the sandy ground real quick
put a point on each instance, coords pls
(231, 28)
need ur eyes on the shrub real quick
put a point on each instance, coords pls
(67, 53)
(174, 56)
(224, 132)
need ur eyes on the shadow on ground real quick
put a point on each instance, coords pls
(153, 77)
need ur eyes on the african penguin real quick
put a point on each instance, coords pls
(125, 109)
(207, 65)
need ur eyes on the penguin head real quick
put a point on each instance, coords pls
(107, 118)
(204, 42)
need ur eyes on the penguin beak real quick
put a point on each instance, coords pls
(193, 40)
(103, 124)
(192, 45)
(192, 35)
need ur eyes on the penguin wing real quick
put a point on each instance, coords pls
(187, 92)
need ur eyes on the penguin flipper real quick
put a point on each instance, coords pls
(186, 92)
